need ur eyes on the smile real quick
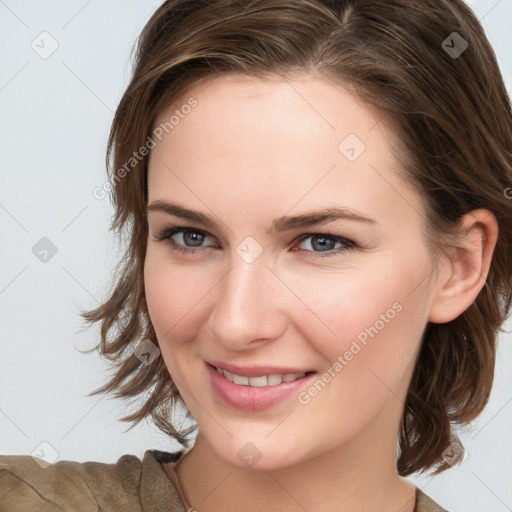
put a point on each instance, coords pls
(258, 391)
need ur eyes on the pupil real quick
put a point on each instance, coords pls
(194, 238)
(324, 239)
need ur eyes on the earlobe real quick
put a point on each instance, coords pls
(468, 266)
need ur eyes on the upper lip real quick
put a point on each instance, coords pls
(257, 371)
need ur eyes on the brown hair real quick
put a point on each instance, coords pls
(450, 111)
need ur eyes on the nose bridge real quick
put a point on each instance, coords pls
(245, 309)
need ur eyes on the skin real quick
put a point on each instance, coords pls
(253, 150)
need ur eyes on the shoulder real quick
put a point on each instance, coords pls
(426, 504)
(27, 483)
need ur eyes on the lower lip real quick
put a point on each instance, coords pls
(252, 398)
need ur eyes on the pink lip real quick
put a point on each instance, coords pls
(251, 398)
(256, 371)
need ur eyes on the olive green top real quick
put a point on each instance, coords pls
(129, 485)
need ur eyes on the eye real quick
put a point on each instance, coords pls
(325, 243)
(184, 235)
(187, 240)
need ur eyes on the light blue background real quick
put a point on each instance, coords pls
(55, 115)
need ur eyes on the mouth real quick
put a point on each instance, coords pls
(260, 381)
(256, 388)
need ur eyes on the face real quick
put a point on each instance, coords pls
(343, 300)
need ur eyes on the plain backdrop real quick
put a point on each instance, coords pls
(63, 69)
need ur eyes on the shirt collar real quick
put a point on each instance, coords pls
(157, 493)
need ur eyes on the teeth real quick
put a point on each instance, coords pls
(260, 382)
(274, 380)
(238, 379)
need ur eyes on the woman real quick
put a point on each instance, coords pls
(319, 257)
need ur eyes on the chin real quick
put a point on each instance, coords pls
(258, 455)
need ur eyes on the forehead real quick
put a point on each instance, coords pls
(276, 141)
(300, 108)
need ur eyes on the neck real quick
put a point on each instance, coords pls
(359, 474)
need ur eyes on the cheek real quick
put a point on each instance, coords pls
(367, 316)
(377, 331)
(175, 296)
(162, 295)
(173, 301)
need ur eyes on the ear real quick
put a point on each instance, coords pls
(468, 266)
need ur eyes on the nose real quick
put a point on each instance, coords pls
(250, 306)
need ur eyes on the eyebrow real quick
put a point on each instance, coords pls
(280, 224)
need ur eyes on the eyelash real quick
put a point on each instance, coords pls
(168, 233)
